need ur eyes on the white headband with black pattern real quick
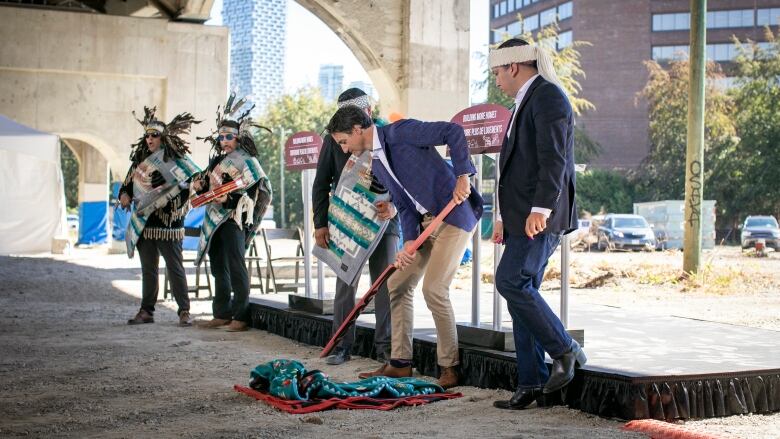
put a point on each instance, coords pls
(360, 101)
(228, 129)
(521, 54)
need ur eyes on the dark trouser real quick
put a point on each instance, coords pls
(149, 251)
(226, 254)
(383, 255)
(536, 328)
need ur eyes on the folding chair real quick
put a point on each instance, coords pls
(188, 257)
(271, 276)
(253, 257)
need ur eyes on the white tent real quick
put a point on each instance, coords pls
(32, 197)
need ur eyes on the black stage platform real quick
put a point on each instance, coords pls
(639, 366)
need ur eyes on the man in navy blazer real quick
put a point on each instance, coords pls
(536, 201)
(421, 183)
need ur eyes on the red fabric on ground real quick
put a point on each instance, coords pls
(297, 407)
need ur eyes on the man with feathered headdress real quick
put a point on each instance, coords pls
(232, 219)
(536, 198)
(158, 183)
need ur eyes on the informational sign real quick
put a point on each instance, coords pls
(485, 127)
(302, 151)
(353, 224)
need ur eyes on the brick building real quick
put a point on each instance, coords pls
(624, 34)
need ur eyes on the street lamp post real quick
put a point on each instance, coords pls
(282, 135)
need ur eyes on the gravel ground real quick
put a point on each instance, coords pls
(71, 367)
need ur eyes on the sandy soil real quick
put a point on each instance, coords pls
(71, 367)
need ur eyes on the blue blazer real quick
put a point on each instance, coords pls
(410, 149)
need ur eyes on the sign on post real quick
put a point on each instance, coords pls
(485, 127)
(301, 152)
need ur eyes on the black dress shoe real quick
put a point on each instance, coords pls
(563, 368)
(520, 400)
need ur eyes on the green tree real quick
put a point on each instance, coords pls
(662, 173)
(70, 175)
(567, 66)
(301, 111)
(754, 167)
(604, 191)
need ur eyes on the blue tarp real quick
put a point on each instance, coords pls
(193, 220)
(93, 222)
(121, 216)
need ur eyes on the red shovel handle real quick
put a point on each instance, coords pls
(366, 299)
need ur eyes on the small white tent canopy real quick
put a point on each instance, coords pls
(32, 197)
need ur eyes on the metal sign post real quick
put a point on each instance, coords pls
(565, 256)
(476, 277)
(306, 188)
(497, 251)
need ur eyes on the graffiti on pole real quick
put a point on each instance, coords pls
(695, 182)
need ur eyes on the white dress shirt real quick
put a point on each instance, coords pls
(378, 152)
(518, 100)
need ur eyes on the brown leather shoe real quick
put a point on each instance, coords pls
(236, 326)
(185, 319)
(213, 323)
(142, 317)
(377, 373)
(448, 378)
(388, 371)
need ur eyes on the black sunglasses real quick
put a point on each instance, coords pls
(225, 137)
(153, 135)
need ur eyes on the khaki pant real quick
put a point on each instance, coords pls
(437, 261)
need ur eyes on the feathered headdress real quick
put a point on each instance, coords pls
(171, 141)
(232, 112)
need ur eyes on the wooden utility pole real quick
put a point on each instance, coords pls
(694, 163)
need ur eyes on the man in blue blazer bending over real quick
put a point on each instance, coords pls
(421, 183)
(536, 198)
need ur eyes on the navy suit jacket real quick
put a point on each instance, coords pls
(410, 149)
(537, 161)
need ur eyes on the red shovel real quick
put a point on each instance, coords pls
(361, 305)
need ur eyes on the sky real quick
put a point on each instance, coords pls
(310, 43)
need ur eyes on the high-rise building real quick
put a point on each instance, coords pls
(257, 38)
(365, 86)
(331, 81)
(623, 35)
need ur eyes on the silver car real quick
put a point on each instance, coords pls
(757, 228)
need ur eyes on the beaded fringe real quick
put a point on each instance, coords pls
(164, 234)
(179, 211)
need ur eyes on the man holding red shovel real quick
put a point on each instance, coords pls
(422, 184)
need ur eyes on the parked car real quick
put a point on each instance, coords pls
(760, 227)
(624, 231)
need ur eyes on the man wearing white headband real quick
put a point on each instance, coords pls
(536, 197)
(331, 162)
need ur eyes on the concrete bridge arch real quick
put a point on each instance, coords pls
(416, 52)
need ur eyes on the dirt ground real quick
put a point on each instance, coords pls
(71, 367)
